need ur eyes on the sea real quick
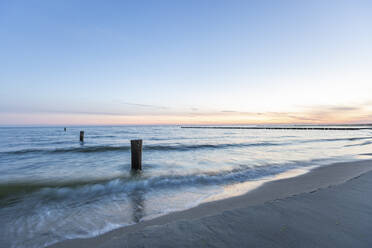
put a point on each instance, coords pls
(54, 187)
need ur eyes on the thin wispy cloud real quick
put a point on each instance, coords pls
(228, 111)
(344, 108)
(145, 105)
(109, 109)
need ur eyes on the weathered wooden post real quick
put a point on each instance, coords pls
(136, 149)
(65, 129)
(81, 136)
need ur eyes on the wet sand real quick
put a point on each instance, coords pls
(330, 206)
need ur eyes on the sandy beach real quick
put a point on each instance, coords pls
(328, 207)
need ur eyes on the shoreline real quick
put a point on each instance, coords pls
(324, 177)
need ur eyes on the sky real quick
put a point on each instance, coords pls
(185, 62)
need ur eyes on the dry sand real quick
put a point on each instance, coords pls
(330, 206)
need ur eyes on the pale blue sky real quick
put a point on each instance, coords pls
(78, 62)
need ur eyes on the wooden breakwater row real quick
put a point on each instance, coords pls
(282, 128)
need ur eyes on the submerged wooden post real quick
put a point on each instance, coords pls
(136, 149)
(81, 136)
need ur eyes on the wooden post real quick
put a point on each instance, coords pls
(81, 136)
(136, 149)
(65, 129)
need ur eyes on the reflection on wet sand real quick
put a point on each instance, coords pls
(137, 200)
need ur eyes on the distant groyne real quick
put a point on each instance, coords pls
(282, 128)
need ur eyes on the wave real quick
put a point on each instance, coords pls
(106, 148)
(349, 139)
(360, 144)
(177, 147)
(70, 149)
(102, 136)
(133, 182)
(12, 188)
(335, 139)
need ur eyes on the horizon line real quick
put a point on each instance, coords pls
(183, 125)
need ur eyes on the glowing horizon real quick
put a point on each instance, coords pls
(319, 115)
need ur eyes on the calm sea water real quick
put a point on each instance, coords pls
(52, 187)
